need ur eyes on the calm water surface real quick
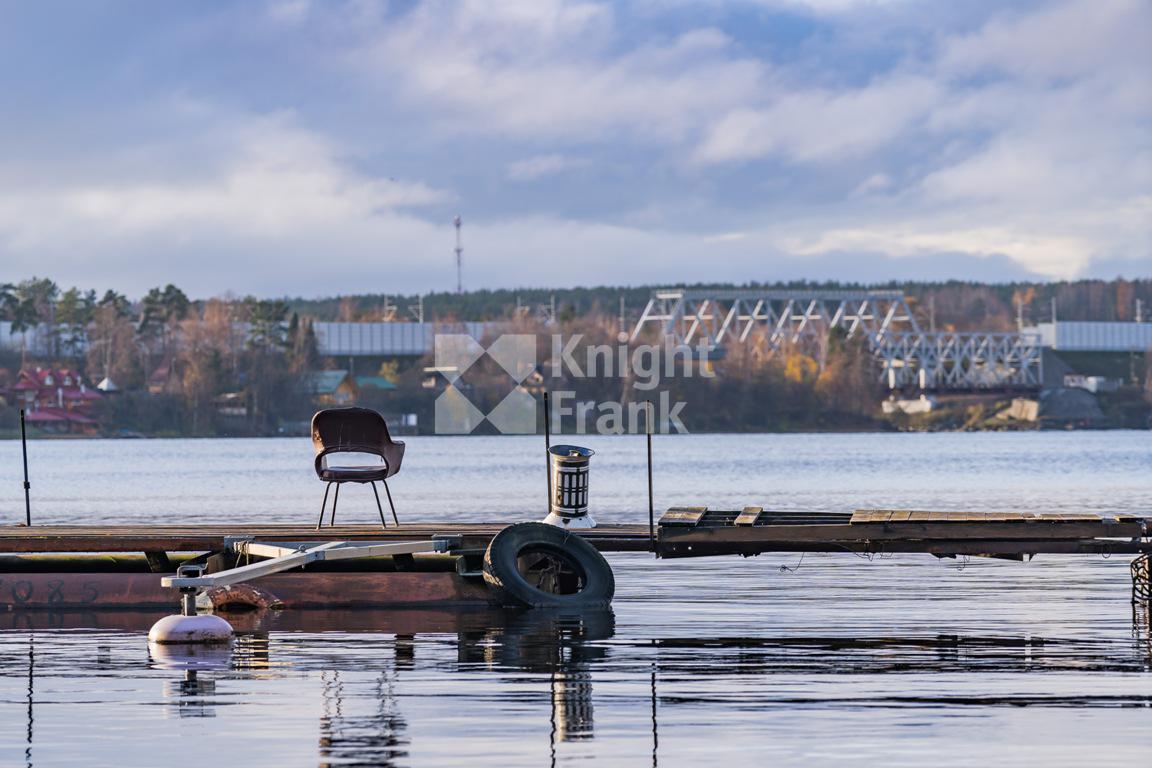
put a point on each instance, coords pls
(828, 659)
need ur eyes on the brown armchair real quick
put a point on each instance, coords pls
(354, 430)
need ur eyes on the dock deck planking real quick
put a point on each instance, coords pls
(200, 538)
(685, 531)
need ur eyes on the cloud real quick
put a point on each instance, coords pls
(1040, 124)
(713, 142)
(273, 178)
(539, 166)
(1064, 39)
(275, 186)
(548, 69)
(821, 126)
(1051, 255)
(290, 12)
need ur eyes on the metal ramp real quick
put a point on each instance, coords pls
(283, 558)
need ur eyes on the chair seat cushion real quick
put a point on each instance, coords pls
(356, 474)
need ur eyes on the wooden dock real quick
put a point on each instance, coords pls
(698, 532)
(211, 538)
(681, 532)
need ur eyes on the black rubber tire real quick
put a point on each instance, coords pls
(509, 587)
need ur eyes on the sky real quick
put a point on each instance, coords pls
(309, 147)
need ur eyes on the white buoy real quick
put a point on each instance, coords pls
(189, 630)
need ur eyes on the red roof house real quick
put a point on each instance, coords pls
(55, 399)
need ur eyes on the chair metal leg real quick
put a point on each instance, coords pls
(323, 504)
(335, 501)
(379, 508)
(389, 492)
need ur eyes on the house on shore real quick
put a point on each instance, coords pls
(55, 400)
(330, 388)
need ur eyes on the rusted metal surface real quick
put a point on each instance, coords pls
(242, 596)
(403, 620)
(98, 591)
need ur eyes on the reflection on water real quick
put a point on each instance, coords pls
(830, 660)
(378, 737)
(192, 695)
(367, 688)
(31, 698)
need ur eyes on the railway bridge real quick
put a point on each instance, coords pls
(907, 355)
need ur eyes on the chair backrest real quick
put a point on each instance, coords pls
(359, 430)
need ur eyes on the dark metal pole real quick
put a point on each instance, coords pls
(547, 449)
(651, 505)
(27, 485)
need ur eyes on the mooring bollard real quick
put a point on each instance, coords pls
(569, 472)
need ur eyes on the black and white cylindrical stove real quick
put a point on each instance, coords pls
(569, 503)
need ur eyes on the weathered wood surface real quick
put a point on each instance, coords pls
(202, 538)
(748, 516)
(891, 531)
(907, 531)
(861, 516)
(695, 530)
(689, 516)
(677, 548)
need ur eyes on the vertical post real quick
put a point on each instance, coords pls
(188, 602)
(651, 506)
(547, 449)
(27, 485)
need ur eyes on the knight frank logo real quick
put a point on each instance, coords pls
(455, 354)
(640, 367)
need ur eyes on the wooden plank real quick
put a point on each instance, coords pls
(749, 515)
(675, 548)
(683, 516)
(872, 515)
(608, 537)
(1020, 530)
(785, 531)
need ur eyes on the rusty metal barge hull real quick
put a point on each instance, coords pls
(113, 567)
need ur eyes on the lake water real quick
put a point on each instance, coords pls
(780, 660)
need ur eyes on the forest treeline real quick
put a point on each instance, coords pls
(187, 366)
(171, 359)
(952, 305)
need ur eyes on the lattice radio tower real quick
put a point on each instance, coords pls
(459, 257)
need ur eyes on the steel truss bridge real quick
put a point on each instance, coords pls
(907, 355)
